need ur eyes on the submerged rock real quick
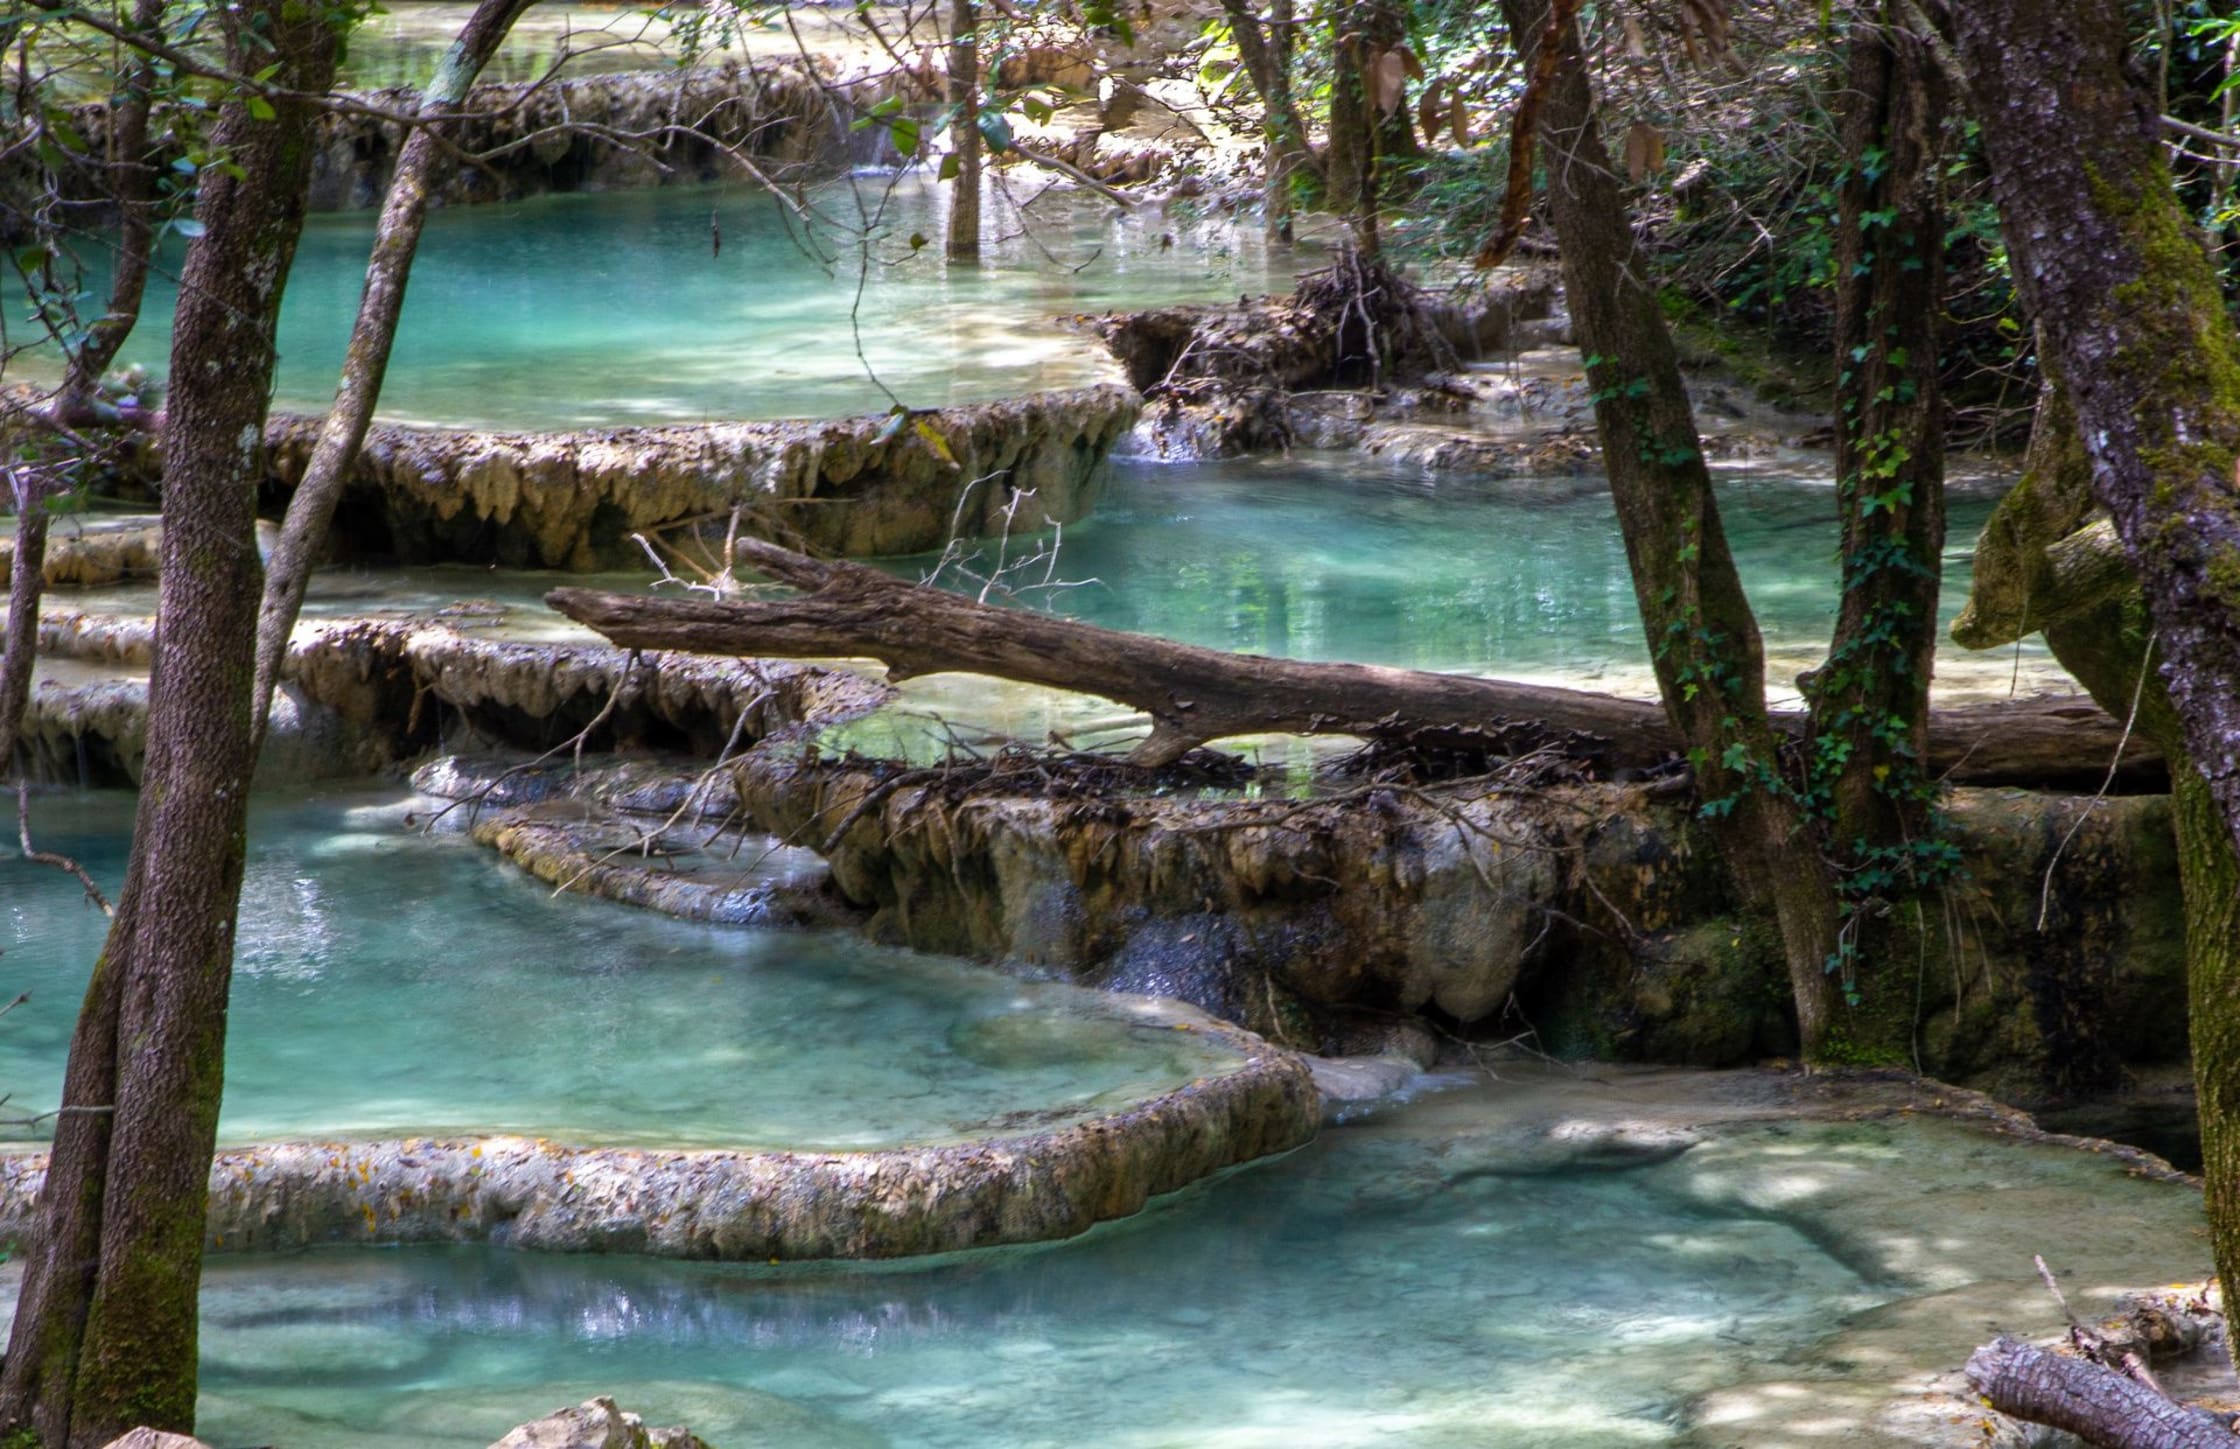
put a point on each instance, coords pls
(690, 871)
(597, 1424)
(854, 487)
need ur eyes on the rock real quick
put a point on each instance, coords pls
(1237, 907)
(1352, 1082)
(364, 694)
(1591, 909)
(793, 119)
(146, 1438)
(597, 1424)
(853, 487)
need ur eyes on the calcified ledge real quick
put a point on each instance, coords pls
(362, 695)
(740, 1205)
(784, 120)
(850, 487)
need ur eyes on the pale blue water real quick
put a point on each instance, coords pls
(395, 983)
(1337, 557)
(1390, 1285)
(581, 310)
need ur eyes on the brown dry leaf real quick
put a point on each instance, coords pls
(1408, 59)
(1459, 123)
(1644, 151)
(1388, 82)
(1431, 112)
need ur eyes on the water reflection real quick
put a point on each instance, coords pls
(580, 310)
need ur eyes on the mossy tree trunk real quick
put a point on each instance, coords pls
(1865, 768)
(2131, 319)
(2026, 581)
(1704, 641)
(1266, 50)
(105, 1329)
(1362, 34)
(2130, 312)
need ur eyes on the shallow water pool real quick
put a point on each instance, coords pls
(585, 310)
(1366, 1290)
(1434, 1275)
(393, 983)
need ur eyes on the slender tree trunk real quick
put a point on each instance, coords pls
(26, 582)
(1870, 701)
(964, 132)
(105, 1333)
(1704, 641)
(1350, 159)
(420, 172)
(1873, 693)
(75, 403)
(133, 185)
(2131, 319)
(1266, 51)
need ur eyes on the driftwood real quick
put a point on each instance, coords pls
(2097, 1404)
(1194, 695)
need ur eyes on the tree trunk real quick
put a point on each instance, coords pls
(1865, 774)
(1350, 158)
(105, 1331)
(420, 171)
(1266, 52)
(2130, 312)
(1872, 695)
(133, 186)
(964, 132)
(2097, 1404)
(26, 582)
(2131, 319)
(74, 404)
(1703, 638)
(1194, 695)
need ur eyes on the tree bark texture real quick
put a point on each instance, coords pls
(1703, 637)
(2042, 565)
(2097, 1404)
(1360, 32)
(1266, 51)
(964, 132)
(420, 172)
(2131, 315)
(2132, 323)
(26, 582)
(105, 1332)
(1194, 695)
(1870, 701)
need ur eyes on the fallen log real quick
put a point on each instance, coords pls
(1194, 694)
(2097, 1404)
